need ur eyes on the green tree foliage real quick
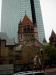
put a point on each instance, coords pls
(50, 51)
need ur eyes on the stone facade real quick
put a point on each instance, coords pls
(28, 40)
(6, 53)
(27, 47)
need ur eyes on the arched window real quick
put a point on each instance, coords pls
(27, 29)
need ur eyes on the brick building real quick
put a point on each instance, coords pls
(7, 50)
(28, 40)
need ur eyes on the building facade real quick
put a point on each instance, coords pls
(14, 10)
(26, 32)
(7, 50)
(28, 40)
(6, 53)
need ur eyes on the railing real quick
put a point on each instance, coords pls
(6, 69)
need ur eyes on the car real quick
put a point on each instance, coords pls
(30, 73)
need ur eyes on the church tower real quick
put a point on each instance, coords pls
(26, 33)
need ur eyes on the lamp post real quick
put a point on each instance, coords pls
(35, 62)
(41, 50)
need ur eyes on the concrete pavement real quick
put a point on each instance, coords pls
(50, 70)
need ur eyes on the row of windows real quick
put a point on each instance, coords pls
(28, 29)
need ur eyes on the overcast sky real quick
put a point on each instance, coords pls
(0, 13)
(49, 16)
(48, 8)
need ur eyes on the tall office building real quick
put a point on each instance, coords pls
(14, 10)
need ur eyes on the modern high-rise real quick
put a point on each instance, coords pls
(14, 10)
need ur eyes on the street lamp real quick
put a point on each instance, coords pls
(35, 62)
(41, 50)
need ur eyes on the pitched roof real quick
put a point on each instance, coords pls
(53, 34)
(10, 42)
(26, 21)
(3, 36)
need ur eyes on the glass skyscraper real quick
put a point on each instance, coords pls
(14, 10)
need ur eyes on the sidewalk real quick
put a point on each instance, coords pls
(50, 70)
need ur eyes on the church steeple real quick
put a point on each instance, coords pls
(26, 21)
(52, 39)
(53, 33)
(26, 31)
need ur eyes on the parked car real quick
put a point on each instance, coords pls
(30, 73)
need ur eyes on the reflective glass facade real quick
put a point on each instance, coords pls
(14, 10)
(39, 20)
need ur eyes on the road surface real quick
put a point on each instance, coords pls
(52, 73)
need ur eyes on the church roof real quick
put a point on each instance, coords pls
(26, 21)
(53, 34)
(3, 36)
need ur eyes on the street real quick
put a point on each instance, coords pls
(52, 73)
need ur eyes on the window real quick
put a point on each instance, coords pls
(27, 29)
(10, 61)
(24, 30)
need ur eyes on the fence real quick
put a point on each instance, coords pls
(6, 69)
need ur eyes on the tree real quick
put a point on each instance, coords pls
(50, 51)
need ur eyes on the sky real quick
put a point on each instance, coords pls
(0, 13)
(48, 8)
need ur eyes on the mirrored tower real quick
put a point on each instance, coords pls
(14, 10)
